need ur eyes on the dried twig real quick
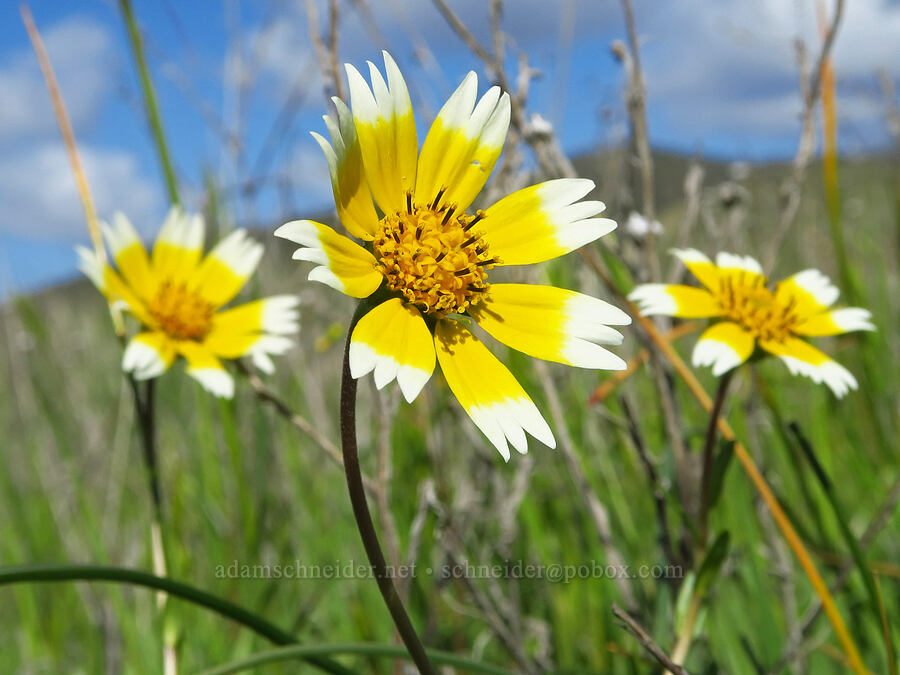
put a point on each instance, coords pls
(643, 637)
(265, 394)
(597, 510)
(65, 127)
(810, 87)
(426, 496)
(326, 55)
(498, 624)
(659, 494)
(637, 114)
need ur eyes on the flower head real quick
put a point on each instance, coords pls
(177, 295)
(757, 315)
(429, 258)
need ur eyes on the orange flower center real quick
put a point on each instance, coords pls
(434, 257)
(181, 312)
(756, 309)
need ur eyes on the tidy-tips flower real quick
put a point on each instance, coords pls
(428, 259)
(177, 295)
(774, 319)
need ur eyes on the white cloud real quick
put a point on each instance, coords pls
(81, 51)
(730, 67)
(39, 197)
(37, 187)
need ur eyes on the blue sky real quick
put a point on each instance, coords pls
(721, 80)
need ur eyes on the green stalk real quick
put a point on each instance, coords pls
(364, 648)
(153, 117)
(855, 551)
(69, 572)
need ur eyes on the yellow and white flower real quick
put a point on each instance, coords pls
(429, 259)
(177, 295)
(774, 320)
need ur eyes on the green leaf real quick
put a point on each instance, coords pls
(719, 468)
(856, 551)
(712, 563)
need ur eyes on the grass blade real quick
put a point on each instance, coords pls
(68, 572)
(828, 488)
(153, 117)
(363, 648)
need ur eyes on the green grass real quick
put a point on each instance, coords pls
(239, 483)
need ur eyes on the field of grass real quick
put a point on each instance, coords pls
(242, 486)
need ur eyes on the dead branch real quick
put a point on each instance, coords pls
(643, 637)
(810, 88)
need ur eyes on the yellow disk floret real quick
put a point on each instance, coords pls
(752, 305)
(433, 257)
(181, 312)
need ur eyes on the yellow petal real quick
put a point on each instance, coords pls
(463, 145)
(551, 323)
(387, 133)
(835, 322)
(723, 346)
(804, 359)
(206, 368)
(544, 221)
(686, 302)
(348, 178)
(226, 268)
(257, 329)
(394, 341)
(178, 246)
(343, 264)
(810, 292)
(277, 315)
(112, 286)
(487, 391)
(700, 266)
(148, 355)
(130, 256)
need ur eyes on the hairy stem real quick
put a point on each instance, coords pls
(364, 520)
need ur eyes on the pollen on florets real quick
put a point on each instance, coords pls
(434, 257)
(756, 308)
(181, 312)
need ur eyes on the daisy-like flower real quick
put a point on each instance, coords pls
(428, 259)
(177, 295)
(755, 315)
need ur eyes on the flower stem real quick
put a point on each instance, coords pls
(708, 448)
(145, 410)
(144, 406)
(364, 520)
